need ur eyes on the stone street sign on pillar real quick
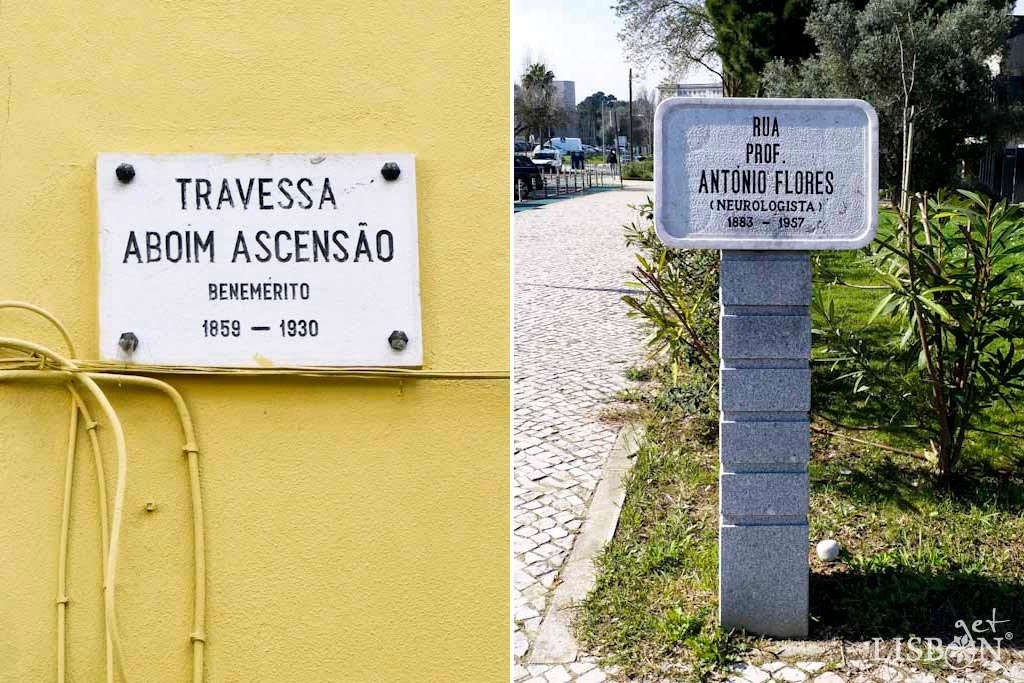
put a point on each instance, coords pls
(765, 180)
(751, 173)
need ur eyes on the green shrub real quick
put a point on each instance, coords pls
(952, 285)
(638, 170)
(679, 300)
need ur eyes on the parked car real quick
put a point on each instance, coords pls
(522, 147)
(526, 176)
(550, 160)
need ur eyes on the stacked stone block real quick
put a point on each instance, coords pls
(764, 441)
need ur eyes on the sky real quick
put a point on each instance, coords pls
(576, 39)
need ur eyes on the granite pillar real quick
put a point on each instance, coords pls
(764, 443)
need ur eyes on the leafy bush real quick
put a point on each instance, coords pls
(952, 273)
(638, 170)
(679, 302)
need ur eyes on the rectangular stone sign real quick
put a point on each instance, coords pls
(761, 173)
(259, 260)
(765, 181)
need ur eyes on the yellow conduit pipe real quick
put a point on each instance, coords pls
(24, 305)
(191, 449)
(62, 578)
(90, 385)
(101, 482)
(101, 490)
(78, 407)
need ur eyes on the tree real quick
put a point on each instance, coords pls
(734, 39)
(536, 109)
(922, 69)
(643, 119)
(951, 271)
(590, 111)
(677, 34)
(750, 33)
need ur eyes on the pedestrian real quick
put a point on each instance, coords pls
(613, 159)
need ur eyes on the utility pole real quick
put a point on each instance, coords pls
(631, 115)
(615, 133)
(601, 132)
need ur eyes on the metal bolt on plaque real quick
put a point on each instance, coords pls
(128, 342)
(398, 340)
(125, 173)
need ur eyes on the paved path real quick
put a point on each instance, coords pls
(573, 343)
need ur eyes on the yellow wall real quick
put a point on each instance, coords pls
(356, 530)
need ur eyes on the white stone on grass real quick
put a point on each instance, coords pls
(581, 667)
(827, 550)
(811, 666)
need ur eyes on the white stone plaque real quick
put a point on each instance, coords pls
(760, 173)
(258, 260)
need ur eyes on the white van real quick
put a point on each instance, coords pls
(565, 144)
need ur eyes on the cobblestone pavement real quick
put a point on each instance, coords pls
(834, 662)
(573, 343)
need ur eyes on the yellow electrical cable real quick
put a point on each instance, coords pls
(191, 450)
(119, 491)
(287, 371)
(62, 562)
(62, 598)
(45, 314)
(101, 492)
(101, 482)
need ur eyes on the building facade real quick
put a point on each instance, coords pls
(666, 90)
(356, 528)
(565, 95)
(1001, 168)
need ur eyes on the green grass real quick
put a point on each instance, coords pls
(638, 170)
(653, 607)
(916, 556)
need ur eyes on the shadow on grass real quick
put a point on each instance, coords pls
(875, 477)
(902, 601)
